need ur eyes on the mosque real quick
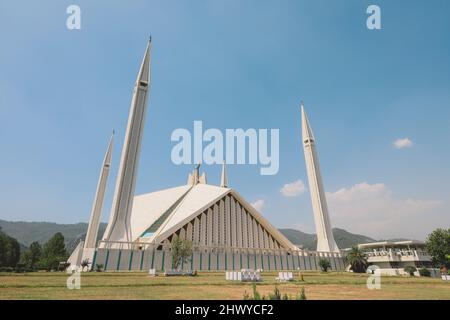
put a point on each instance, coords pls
(226, 231)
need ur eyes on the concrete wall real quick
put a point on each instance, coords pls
(127, 259)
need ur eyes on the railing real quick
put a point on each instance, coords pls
(123, 245)
(398, 255)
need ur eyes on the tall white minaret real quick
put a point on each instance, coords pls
(118, 228)
(325, 239)
(96, 212)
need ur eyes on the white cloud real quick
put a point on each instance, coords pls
(293, 189)
(258, 204)
(402, 143)
(372, 210)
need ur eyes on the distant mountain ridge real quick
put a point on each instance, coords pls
(28, 232)
(343, 238)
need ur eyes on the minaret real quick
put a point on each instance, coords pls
(325, 239)
(96, 212)
(118, 228)
(223, 177)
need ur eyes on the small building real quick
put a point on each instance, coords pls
(393, 256)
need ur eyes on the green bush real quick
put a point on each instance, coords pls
(424, 272)
(276, 294)
(302, 295)
(324, 264)
(256, 295)
(410, 270)
(99, 267)
(6, 269)
(20, 268)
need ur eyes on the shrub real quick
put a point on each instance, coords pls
(424, 272)
(410, 270)
(302, 295)
(6, 269)
(85, 264)
(324, 264)
(256, 295)
(276, 294)
(20, 268)
(99, 267)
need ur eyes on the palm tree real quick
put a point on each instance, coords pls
(357, 260)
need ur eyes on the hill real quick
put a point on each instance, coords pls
(28, 232)
(344, 239)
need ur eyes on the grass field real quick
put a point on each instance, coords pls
(212, 285)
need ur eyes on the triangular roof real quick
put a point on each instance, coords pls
(171, 209)
(147, 208)
(198, 199)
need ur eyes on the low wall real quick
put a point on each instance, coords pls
(134, 260)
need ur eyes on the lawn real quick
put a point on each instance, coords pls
(212, 285)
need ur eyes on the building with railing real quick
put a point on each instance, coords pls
(393, 256)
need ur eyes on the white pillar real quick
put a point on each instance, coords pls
(325, 239)
(118, 228)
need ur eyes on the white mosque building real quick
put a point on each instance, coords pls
(226, 231)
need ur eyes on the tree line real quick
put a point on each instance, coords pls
(35, 257)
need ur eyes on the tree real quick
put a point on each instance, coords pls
(9, 251)
(438, 246)
(181, 251)
(32, 255)
(357, 260)
(324, 264)
(54, 251)
(2, 249)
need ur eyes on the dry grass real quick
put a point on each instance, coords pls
(212, 285)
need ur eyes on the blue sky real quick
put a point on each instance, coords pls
(232, 64)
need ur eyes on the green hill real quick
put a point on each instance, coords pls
(307, 240)
(344, 239)
(28, 232)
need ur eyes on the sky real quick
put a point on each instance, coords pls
(378, 102)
